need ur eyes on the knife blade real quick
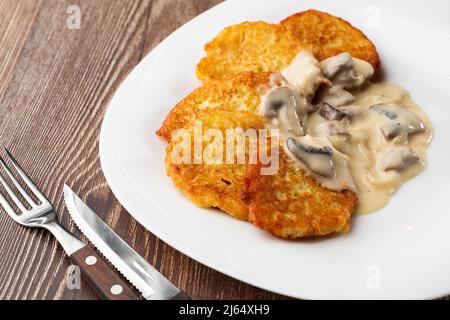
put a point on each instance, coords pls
(151, 284)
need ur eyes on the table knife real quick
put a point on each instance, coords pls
(143, 276)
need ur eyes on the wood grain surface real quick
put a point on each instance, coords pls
(55, 84)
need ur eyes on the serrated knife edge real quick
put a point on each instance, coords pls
(130, 273)
(94, 239)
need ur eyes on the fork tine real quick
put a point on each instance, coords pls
(25, 178)
(9, 210)
(13, 196)
(16, 183)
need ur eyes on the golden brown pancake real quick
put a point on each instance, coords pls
(261, 47)
(313, 210)
(249, 46)
(328, 36)
(228, 103)
(292, 205)
(211, 185)
(238, 92)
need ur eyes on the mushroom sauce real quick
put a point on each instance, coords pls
(343, 130)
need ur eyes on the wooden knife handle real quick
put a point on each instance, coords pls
(101, 275)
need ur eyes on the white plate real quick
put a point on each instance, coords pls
(402, 251)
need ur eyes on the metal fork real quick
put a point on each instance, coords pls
(42, 214)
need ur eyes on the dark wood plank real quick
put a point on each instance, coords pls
(17, 19)
(55, 84)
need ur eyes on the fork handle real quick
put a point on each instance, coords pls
(102, 277)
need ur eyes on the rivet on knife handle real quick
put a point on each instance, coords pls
(102, 277)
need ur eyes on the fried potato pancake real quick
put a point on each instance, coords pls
(260, 46)
(213, 184)
(328, 36)
(288, 204)
(249, 46)
(238, 92)
(292, 205)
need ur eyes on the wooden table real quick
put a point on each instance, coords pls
(55, 84)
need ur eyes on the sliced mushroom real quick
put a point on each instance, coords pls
(282, 103)
(397, 159)
(318, 159)
(330, 112)
(289, 120)
(334, 65)
(401, 121)
(363, 72)
(345, 71)
(275, 100)
(330, 128)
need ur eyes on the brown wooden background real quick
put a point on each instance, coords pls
(55, 84)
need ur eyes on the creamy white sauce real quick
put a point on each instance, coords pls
(374, 150)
